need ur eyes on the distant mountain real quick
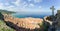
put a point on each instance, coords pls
(5, 11)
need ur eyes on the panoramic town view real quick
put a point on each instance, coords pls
(29, 15)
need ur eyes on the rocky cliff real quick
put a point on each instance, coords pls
(28, 23)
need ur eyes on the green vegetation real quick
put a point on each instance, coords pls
(4, 27)
(43, 27)
(7, 12)
(1, 16)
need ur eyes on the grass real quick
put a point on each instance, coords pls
(4, 27)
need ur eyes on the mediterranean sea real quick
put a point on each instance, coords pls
(31, 15)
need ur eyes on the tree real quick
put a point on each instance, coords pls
(1, 16)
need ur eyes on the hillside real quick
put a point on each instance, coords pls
(5, 11)
(20, 24)
(4, 27)
(23, 24)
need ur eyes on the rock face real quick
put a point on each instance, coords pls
(28, 23)
(1, 16)
(58, 19)
(48, 19)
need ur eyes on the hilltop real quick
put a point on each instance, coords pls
(7, 12)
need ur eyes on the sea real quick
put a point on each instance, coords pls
(41, 15)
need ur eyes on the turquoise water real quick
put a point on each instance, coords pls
(31, 15)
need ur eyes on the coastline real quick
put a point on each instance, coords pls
(28, 23)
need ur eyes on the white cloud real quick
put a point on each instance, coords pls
(2, 6)
(17, 2)
(24, 4)
(37, 1)
(31, 5)
(10, 8)
(21, 7)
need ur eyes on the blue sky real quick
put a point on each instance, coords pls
(29, 6)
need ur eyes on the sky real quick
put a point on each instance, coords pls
(29, 6)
